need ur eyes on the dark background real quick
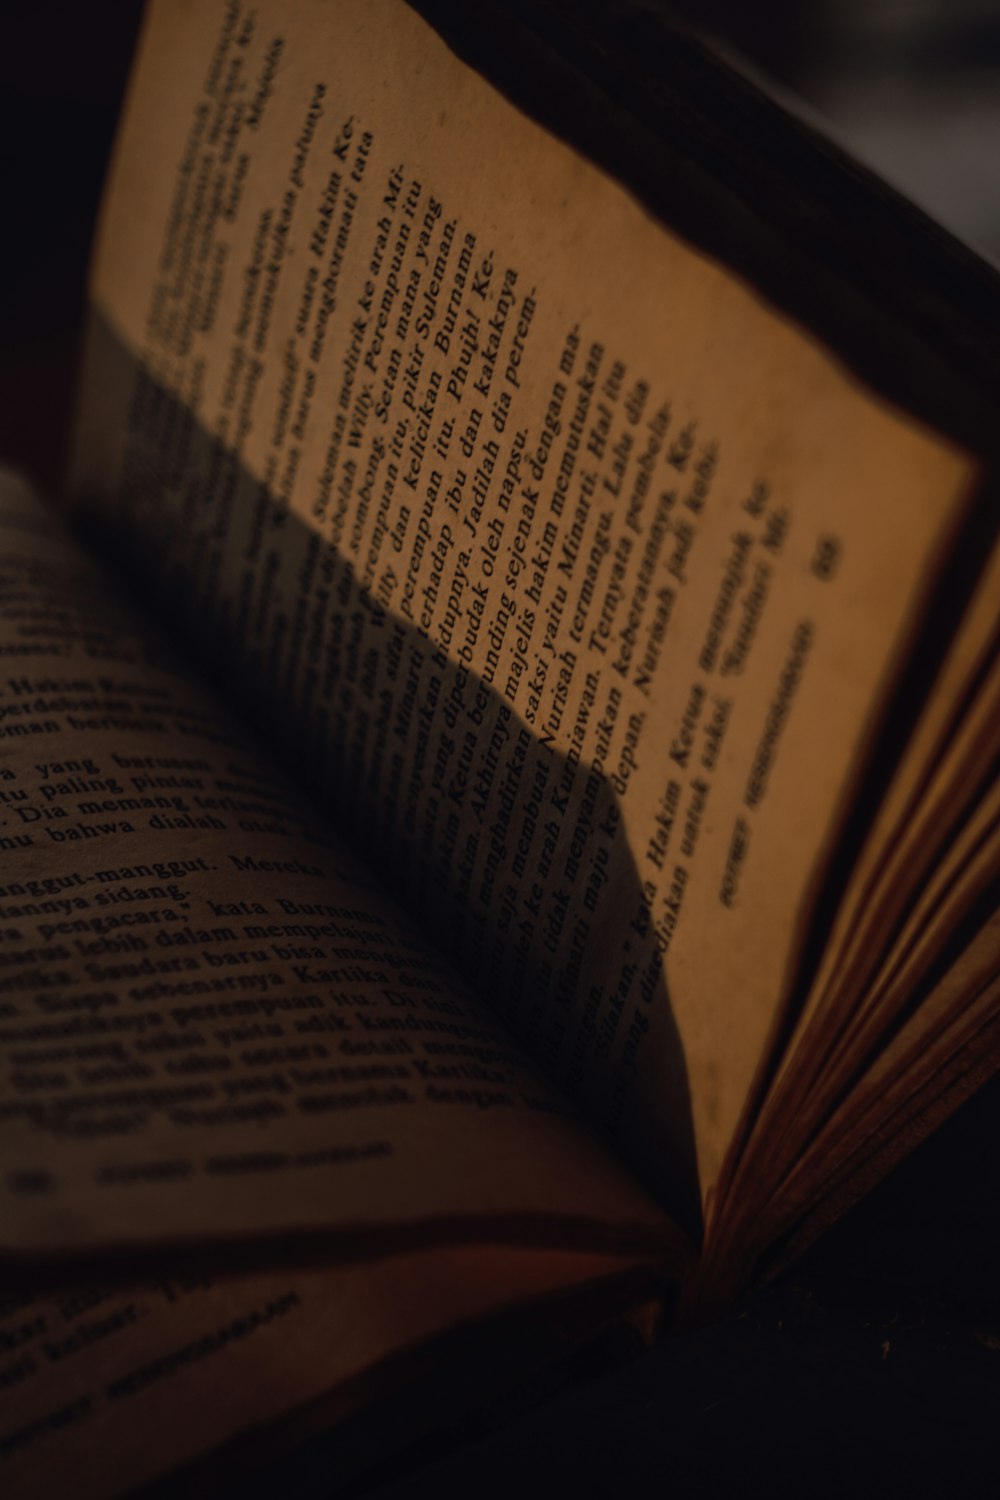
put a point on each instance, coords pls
(873, 1367)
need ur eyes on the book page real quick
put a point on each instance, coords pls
(940, 1056)
(924, 875)
(919, 982)
(106, 1389)
(962, 1004)
(571, 576)
(212, 1022)
(944, 771)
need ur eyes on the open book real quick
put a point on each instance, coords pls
(511, 819)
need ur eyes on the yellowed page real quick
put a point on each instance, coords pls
(572, 575)
(920, 825)
(827, 1073)
(939, 1057)
(960, 883)
(929, 859)
(962, 1005)
(103, 1390)
(212, 1022)
(950, 752)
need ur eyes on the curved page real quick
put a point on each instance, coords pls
(213, 1023)
(572, 577)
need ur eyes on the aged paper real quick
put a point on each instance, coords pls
(570, 576)
(928, 862)
(212, 1023)
(102, 1390)
(954, 1031)
(945, 769)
